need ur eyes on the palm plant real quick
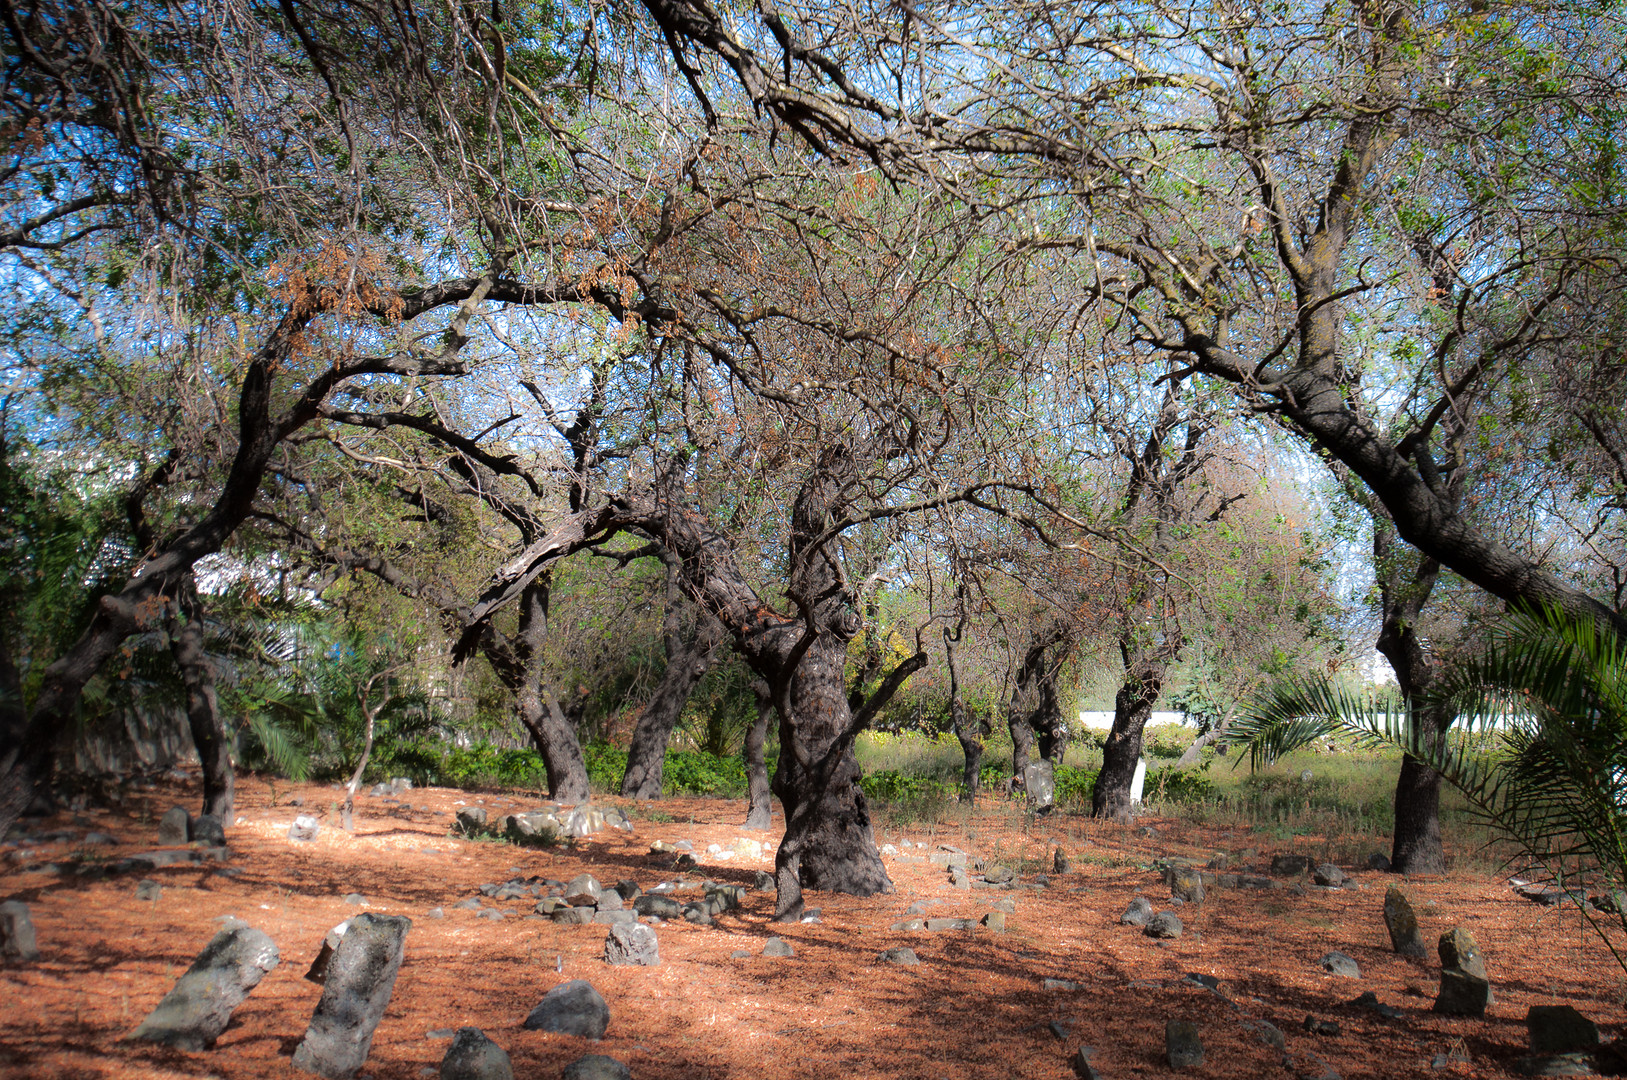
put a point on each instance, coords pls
(1551, 693)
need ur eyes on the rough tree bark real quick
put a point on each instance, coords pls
(970, 729)
(1034, 712)
(551, 730)
(1417, 843)
(687, 662)
(1132, 708)
(202, 704)
(759, 803)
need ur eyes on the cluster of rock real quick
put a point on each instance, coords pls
(551, 823)
(185, 840)
(358, 971)
(967, 872)
(994, 919)
(178, 827)
(1161, 925)
(389, 789)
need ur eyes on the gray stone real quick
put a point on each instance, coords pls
(663, 907)
(624, 917)
(1379, 861)
(700, 914)
(632, 944)
(1457, 949)
(209, 830)
(1058, 984)
(1082, 1068)
(995, 920)
(490, 914)
(17, 944)
(1560, 1029)
(1165, 924)
(101, 839)
(1402, 923)
(999, 875)
(778, 947)
(764, 881)
(1039, 781)
(906, 926)
(583, 891)
(435, 913)
(596, 1067)
(304, 829)
(539, 826)
(472, 1056)
(360, 980)
(740, 954)
(587, 819)
(1337, 963)
(468, 903)
(949, 924)
(1182, 1044)
(629, 891)
(472, 818)
(1462, 994)
(1060, 863)
(1139, 913)
(1321, 1027)
(958, 878)
(200, 1004)
(318, 972)
(355, 898)
(175, 827)
(1186, 884)
(1290, 865)
(1328, 875)
(148, 889)
(573, 916)
(903, 956)
(571, 1008)
(610, 900)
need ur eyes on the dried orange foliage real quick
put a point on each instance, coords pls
(975, 1007)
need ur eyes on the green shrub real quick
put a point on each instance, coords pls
(1180, 786)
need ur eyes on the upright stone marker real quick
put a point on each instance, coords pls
(17, 945)
(208, 829)
(360, 978)
(571, 1008)
(1402, 923)
(1039, 780)
(200, 1004)
(175, 827)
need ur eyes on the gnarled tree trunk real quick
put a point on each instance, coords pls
(551, 731)
(1132, 708)
(1033, 713)
(759, 803)
(1416, 848)
(687, 661)
(202, 704)
(970, 729)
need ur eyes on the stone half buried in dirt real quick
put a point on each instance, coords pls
(175, 827)
(1465, 988)
(631, 944)
(1402, 923)
(596, 1067)
(1560, 1029)
(1139, 913)
(17, 943)
(472, 1056)
(1337, 963)
(571, 1008)
(902, 956)
(1163, 925)
(1183, 1046)
(360, 980)
(587, 819)
(200, 1004)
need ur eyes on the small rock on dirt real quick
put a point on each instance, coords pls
(995, 920)
(304, 829)
(764, 881)
(1321, 1027)
(1337, 963)
(596, 1067)
(631, 944)
(1139, 913)
(778, 947)
(208, 829)
(1163, 925)
(17, 942)
(1290, 865)
(472, 818)
(472, 1056)
(583, 891)
(1182, 1044)
(1329, 876)
(571, 1008)
(1560, 1029)
(903, 956)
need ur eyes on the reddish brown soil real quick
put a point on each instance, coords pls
(973, 1008)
